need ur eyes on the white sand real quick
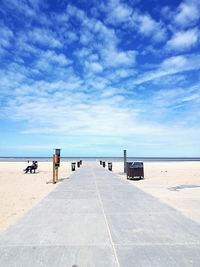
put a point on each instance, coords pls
(19, 191)
(175, 183)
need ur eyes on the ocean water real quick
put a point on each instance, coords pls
(107, 159)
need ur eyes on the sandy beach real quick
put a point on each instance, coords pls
(19, 192)
(175, 183)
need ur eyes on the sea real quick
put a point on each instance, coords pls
(107, 159)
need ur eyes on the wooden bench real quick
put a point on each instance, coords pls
(31, 168)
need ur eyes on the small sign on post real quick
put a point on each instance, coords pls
(57, 155)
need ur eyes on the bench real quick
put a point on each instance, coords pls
(31, 168)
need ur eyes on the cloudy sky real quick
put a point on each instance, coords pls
(96, 77)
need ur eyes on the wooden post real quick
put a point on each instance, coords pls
(56, 174)
(125, 162)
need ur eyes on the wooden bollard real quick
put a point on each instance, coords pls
(55, 170)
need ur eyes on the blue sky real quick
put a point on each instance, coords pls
(97, 77)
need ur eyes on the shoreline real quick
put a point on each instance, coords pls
(114, 159)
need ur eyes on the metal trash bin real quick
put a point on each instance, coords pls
(135, 170)
(110, 166)
(104, 164)
(73, 166)
(78, 164)
(100, 162)
(128, 164)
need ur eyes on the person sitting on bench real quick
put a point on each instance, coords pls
(32, 167)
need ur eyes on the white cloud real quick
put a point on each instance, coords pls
(25, 47)
(105, 114)
(83, 52)
(176, 62)
(133, 19)
(59, 58)
(122, 12)
(114, 58)
(93, 57)
(20, 6)
(86, 37)
(188, 13)
(149, 27)
(74, 11)
(96, 35)
(117, 12)
(170, 66)
(88, 118)
(172, 98)
(71, 37)
(101, 119)
(171, 80)
(184, 40)
(96, 83)
(124, 73)
(94, 67)
(104, 34)
(27, 147)
(166, 12)
(6, 36)
(26, 9)
(44, 37)
(98, 96)
(48, 59)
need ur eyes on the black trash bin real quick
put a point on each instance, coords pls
(73, 166)
(128, 164)
(100, 162)
(135, 170)
(78, 164)
(81, 162)
(110, 166)
(104, 164)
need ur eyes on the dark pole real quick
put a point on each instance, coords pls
(124, 161)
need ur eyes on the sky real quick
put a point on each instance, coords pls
(96, 77)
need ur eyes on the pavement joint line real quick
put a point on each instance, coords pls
(160, 244)
(106, 221)
(54, 246)
(104, 245)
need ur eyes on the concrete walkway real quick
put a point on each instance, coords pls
(96, 219)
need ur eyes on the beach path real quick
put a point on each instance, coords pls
(97, 219)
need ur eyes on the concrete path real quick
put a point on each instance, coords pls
(96, 219)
